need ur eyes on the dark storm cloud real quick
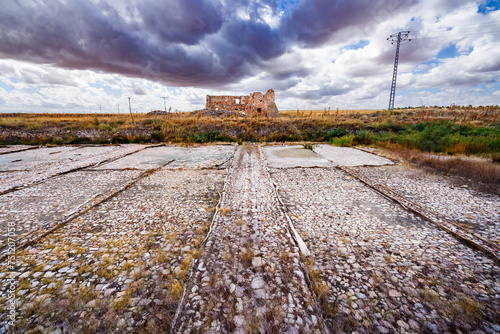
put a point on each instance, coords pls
(315, 22)
(183, 21)
(201, 43)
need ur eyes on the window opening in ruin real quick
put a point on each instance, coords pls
(259, 109)
(237, 101)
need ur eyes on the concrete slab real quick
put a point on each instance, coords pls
(43, 157)
(204, 157)
(346, 156)
(288, 156)
(184, 157)
(146, 159)
(15, 148)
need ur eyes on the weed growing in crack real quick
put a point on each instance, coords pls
(224, 211)
(247, 257)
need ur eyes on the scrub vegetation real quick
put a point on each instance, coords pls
(451, 131)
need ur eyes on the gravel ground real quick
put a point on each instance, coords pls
(15, 148)
(378, 268)
(347, 156)
(181, 157)
(43, 157)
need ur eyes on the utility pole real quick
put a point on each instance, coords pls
(129, 107)
(165, 104)
(399, 38)
(118, 105)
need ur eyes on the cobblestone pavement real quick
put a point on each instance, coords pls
(378, 268)
(147, 246)
(249, 278)
(181, 157)
(121, 266)
(35, 209)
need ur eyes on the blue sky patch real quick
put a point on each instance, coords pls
(488, 6)
(8, 87)
(287, 5)
(449, 52)
(452, 52)
(356, 46)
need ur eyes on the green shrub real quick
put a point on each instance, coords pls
(345, 141)
(337, 133)
(362, 137)
(106, 127)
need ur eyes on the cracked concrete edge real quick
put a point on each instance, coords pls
(75, 213)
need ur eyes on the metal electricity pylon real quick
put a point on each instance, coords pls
(401, 37)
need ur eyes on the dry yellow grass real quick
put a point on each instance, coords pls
(333, 112)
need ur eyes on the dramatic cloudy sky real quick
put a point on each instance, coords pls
(92, 55)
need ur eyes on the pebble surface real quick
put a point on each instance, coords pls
(382, 268)
(35, 209)
(121, 266)
(150, 246)
(250, 278)
(471, 209)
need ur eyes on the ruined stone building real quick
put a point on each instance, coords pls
(253, 104)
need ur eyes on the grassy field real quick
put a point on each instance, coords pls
(464, 131)
(451, 131)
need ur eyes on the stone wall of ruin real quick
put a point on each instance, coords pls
(253, 104)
